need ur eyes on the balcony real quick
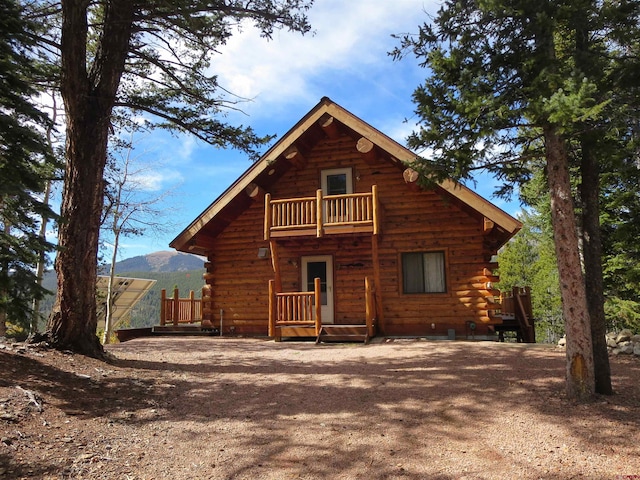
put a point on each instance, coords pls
(322, 215)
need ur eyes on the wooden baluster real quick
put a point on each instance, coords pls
(176, 306)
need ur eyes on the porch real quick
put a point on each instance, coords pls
(299, 314)
(516, 312)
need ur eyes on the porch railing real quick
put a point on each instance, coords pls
(294, 309)
(354, 212)
(516, 305)
(175, 310)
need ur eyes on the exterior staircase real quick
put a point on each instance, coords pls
(343, 333)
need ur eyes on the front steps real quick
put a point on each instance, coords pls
(343, 333)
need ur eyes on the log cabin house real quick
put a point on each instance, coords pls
(330, 234)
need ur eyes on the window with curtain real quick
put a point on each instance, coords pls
(423, 272)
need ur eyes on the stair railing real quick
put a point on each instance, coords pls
(295, 308)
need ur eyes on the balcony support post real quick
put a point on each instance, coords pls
(319, 221)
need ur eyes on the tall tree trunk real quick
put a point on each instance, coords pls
(587, 62)
(88, 98)
(579, 349)
(72, 324)
(592, 252)
(4, 270)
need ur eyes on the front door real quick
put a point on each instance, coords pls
(320, 266)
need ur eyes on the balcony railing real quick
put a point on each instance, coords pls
(320, 215)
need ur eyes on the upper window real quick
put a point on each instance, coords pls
(337, 181)
(424, 272)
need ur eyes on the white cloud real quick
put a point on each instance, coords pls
(351, 38)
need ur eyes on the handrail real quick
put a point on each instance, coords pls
(294, 308)
(306, 213)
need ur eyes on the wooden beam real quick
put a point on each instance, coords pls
(376, 216)
(254, 191)
(275, 264)
(368, 150)
(319, 219)
(411, 178)
(375, 257)
(487, 226)
(295, 157)
(330, 126)
(272, 308)
(267, 216)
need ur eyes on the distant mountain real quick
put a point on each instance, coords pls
(160, 262)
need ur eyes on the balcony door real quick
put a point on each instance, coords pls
(320, 266)
(337, 181)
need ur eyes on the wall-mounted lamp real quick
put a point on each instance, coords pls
(263, 252)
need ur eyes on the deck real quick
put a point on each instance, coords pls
(321, 215)
(517, 315)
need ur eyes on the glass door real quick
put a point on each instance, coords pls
(320, 266)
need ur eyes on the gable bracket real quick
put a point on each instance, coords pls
(330, 126)
(295, 157)
(411, 178)
(487, 226)
(368, 150)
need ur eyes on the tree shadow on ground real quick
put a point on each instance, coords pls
(383, 399)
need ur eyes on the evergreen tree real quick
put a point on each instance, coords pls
(150, 57)
(25, 164)
(510, 81)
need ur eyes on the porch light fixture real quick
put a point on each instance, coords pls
(263, 252)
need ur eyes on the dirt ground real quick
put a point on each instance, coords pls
(232, 408)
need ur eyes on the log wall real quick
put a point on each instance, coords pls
(413, 220)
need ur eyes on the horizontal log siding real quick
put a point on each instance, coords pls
(412, 221)
(426, 221)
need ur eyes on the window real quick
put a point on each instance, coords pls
(424, 272)
(337, 181)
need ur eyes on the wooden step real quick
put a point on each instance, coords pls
(343, 333)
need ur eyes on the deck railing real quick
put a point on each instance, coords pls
(516, 305)
(175, 310)
(294, 309)
(354, 212)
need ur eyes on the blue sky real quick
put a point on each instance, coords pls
(346, 60)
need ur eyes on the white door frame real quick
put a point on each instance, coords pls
(347, 171)
(327, 308)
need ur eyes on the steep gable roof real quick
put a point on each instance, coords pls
(323, 119)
